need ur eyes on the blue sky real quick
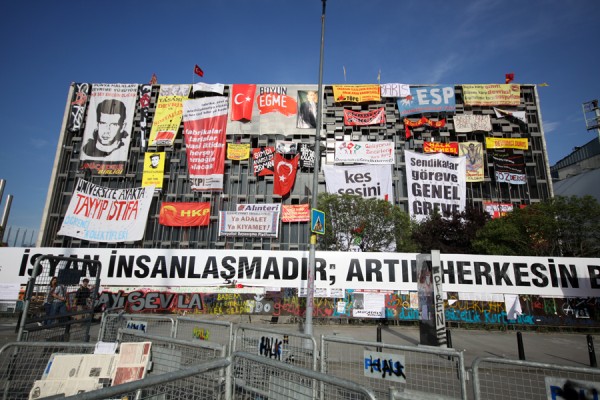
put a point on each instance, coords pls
(46, 45)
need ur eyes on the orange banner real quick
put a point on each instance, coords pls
(356, 93)
(295, 213)
(438, 147)
(184, 214)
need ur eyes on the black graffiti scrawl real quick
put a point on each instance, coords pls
(78, 106)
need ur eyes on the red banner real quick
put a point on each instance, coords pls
(242, 101)
(276, 102)
(373, 117)
(285, 174)
(184, 214)
(438, 147)
(423, 121)
(295, 213)
(205, 125)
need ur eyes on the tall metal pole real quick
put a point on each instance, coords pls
(310, 285)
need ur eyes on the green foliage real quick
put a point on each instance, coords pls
(452, 235)
(370, 224)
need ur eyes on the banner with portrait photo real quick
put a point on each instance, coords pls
(154, 169)
(108, 128)
(274, 110)
(364, 152)
(435, 181)
(307, 109)
(205, 124)
(473, 152)
(427, 99)
(367, 181)
(101, 214)
(167, 117)
(491, 95)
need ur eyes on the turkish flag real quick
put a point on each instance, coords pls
(509, 78)
(198, 71)
(285, 174)
(242, 102)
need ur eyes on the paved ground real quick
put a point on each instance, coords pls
(556, 348)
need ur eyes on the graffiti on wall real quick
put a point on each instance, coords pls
(399, 306)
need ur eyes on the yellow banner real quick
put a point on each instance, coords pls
(238, 151)
(356, 93)
(154, 169)
(506, 143)
(167, 118)
(473, 151)
(491, 95)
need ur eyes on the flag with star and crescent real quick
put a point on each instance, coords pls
(285, 174)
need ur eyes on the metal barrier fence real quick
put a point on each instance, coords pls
(197, 382)
(500, 378)
(21, 364)
(257, 377)
(169, 354)
(289, 347)
(383, 367)
(198, 329)
(160, 325)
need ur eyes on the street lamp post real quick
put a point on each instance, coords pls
(310, 285)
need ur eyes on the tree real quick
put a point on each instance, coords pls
(452, 235)
(562, 226)
(366, 224)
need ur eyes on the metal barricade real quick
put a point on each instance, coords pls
(197, 382)
(289, 347)
(199, 329)
(169, 354)
(382, 367)
(160, 325)
(496, 378)
(22, 363)
(257, 377)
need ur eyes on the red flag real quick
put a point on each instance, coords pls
(242, 102)
(285, 174)
(153, 80)
(198, 71)
(510, 77)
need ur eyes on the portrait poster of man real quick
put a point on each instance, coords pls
(108, 129)
(154, 169)
(474, 155)
(307, 112)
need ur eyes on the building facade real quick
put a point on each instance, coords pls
(415, 118)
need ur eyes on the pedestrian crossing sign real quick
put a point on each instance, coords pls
(317, 221)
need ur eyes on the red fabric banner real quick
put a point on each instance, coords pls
(184, 214)
(423, 121)
(263, 160)
(373, 117)
(276, 102)
(285, 174)
(295, 213)
(242, 101)
(439, 147)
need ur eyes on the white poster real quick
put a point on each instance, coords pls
(463, 273)
(108, 128)
(368, 305)
(367, 181)
(435, 181)
(248, 223)
(101, 214)
(365, 152)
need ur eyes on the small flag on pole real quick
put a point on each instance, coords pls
(344, 73)
(510, 77)
(153, 80)
(379, 76)
(198, 71)
(543, 84)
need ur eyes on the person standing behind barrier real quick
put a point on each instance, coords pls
(81, 297)
(58, 296)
